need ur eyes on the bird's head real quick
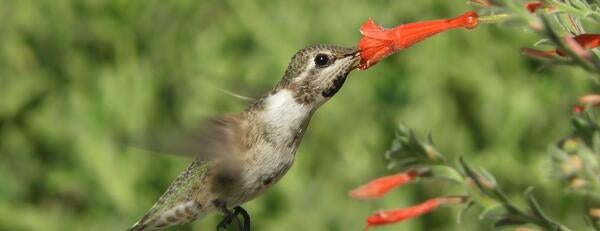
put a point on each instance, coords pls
(317, 72)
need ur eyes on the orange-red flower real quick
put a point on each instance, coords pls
(577, 109)
(398, 215)
(532, 7)
(582, 41)
(378, 42)
(380, 186)
(588, 41)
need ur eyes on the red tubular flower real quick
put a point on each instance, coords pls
(588, 41)
(380, 186)
(378, 42)
(398, 215)
(532, 7)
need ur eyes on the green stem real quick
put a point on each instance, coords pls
(497, 18)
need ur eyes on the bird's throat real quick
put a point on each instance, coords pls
(285, 117)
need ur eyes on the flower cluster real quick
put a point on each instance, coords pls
(416, 159)
(380, 186)
(378, 43)
(575, 159)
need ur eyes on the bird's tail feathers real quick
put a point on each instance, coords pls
(182, 213)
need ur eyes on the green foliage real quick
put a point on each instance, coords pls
(74, 75)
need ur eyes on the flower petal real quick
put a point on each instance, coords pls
(380, 186)
(372, 30)
(532, 7)
(588, 41)
(399, 215)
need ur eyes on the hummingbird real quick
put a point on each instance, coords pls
(238, 156)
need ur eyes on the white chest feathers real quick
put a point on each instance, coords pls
(283, 120)
(284, 116)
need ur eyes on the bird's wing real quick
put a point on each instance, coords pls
(211, 138)
(216, 147)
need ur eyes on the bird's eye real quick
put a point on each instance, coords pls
(322, 60)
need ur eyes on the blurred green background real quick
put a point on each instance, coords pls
(74, 74)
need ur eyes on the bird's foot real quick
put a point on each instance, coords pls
(233, 216)
(229, 217)
(246, 225)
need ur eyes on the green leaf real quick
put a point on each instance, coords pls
(537, 211)
(493, 212)
(408, 151)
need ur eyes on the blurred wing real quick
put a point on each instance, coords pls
(219, 137)
(214, 138)
(220, 140)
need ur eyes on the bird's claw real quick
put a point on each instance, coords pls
(246, 225)
(231, 216)
(227, 221)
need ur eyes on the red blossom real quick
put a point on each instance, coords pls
(380, 186)
(588, 41)
(577, 109)
(532, 7)
(398, 215)
(378, 42)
